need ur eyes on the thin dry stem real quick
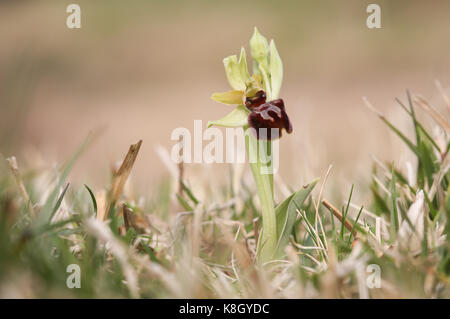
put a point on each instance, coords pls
(120, 178)
(443, 93)
(339, 216)
(12, 162)
(437, 117)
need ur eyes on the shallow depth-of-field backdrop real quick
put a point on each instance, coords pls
(138, 69)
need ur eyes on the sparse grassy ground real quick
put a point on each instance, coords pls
(173, 245)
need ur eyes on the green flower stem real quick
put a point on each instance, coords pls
(264, 183)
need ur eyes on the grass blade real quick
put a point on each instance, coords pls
(94, 201)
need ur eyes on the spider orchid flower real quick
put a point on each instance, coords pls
(259, 108)
(256, 96)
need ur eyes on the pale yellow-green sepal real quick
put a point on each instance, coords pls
(237, 118)
(230, 97)
(236, 70)
(276, 71)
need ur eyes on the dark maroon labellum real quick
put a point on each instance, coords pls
(257, 100)
(265, 116)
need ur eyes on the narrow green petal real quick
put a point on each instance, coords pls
(230, 97)
(276, 70)
(237, 118)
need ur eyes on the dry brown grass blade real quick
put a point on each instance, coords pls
(437, 117)
(120, 178)
(128, 218)
(339, 216)
(256, 228)
(243, 266)
(181, 172)
(133, 220)
(12, 162)
(443, 94)
(372, 108)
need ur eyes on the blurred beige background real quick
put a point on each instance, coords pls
(139, 69)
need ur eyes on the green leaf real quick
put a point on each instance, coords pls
(184, 203)
(286, 213)
(230, 97)
(379, 202)
(355, 226)
(58, 202)
(344, 214)
(47, 209)
(276, 70)
(190, 193)
(394, 212)
(425, 143)
(237, 118)
(94, 201)
(411, 146)
(419, 126)
(426, 163)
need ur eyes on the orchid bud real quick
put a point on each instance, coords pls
(259, 49)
